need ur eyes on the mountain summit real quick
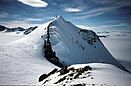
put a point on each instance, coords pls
(73, 45)
(63, 44)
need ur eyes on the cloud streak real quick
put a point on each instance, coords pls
(4, 14)
(70, 9)
(33, 19)
(96, 11)
(34, 3)
(113, 2)
(102, 7)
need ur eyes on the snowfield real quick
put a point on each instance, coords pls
(22, 61)
(9, 37)
(118, 44)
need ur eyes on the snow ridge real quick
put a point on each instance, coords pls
(73, 45)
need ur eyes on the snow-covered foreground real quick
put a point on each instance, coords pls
(100, 75)
(22, 62)
(9, 37)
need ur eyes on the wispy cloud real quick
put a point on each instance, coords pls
(33, 19)
(38, 19)
(70, 9)
(113, 2)
(104, 1)
(95, 12)
(34, 3)
(102, 7)
(4, 14)
(90, 15)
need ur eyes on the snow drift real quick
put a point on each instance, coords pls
(93, 74)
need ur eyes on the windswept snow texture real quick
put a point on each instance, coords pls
(72, 45)
(22, 61)
(100, 75)
(9, 37)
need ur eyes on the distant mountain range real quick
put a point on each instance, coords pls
(17, 29)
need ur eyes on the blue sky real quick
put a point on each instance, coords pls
(109, 14)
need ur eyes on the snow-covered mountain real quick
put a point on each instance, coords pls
(23, 61)
(17, 29)
(2, 28)
(73, 45)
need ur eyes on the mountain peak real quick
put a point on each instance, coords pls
(59, 17)
(73, 45)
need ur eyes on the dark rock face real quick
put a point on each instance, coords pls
(2, 28)
(64, 70)
(52, 72)
(10, 30)
(66, 75)
(26, 31)
(29, 30)
(44, 76)
(89, 36)
(15, 29)
(50, 55)
(20, 29)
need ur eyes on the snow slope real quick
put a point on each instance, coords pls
(100, 75)
(9, 37)
(22, 61)
(72, 46)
